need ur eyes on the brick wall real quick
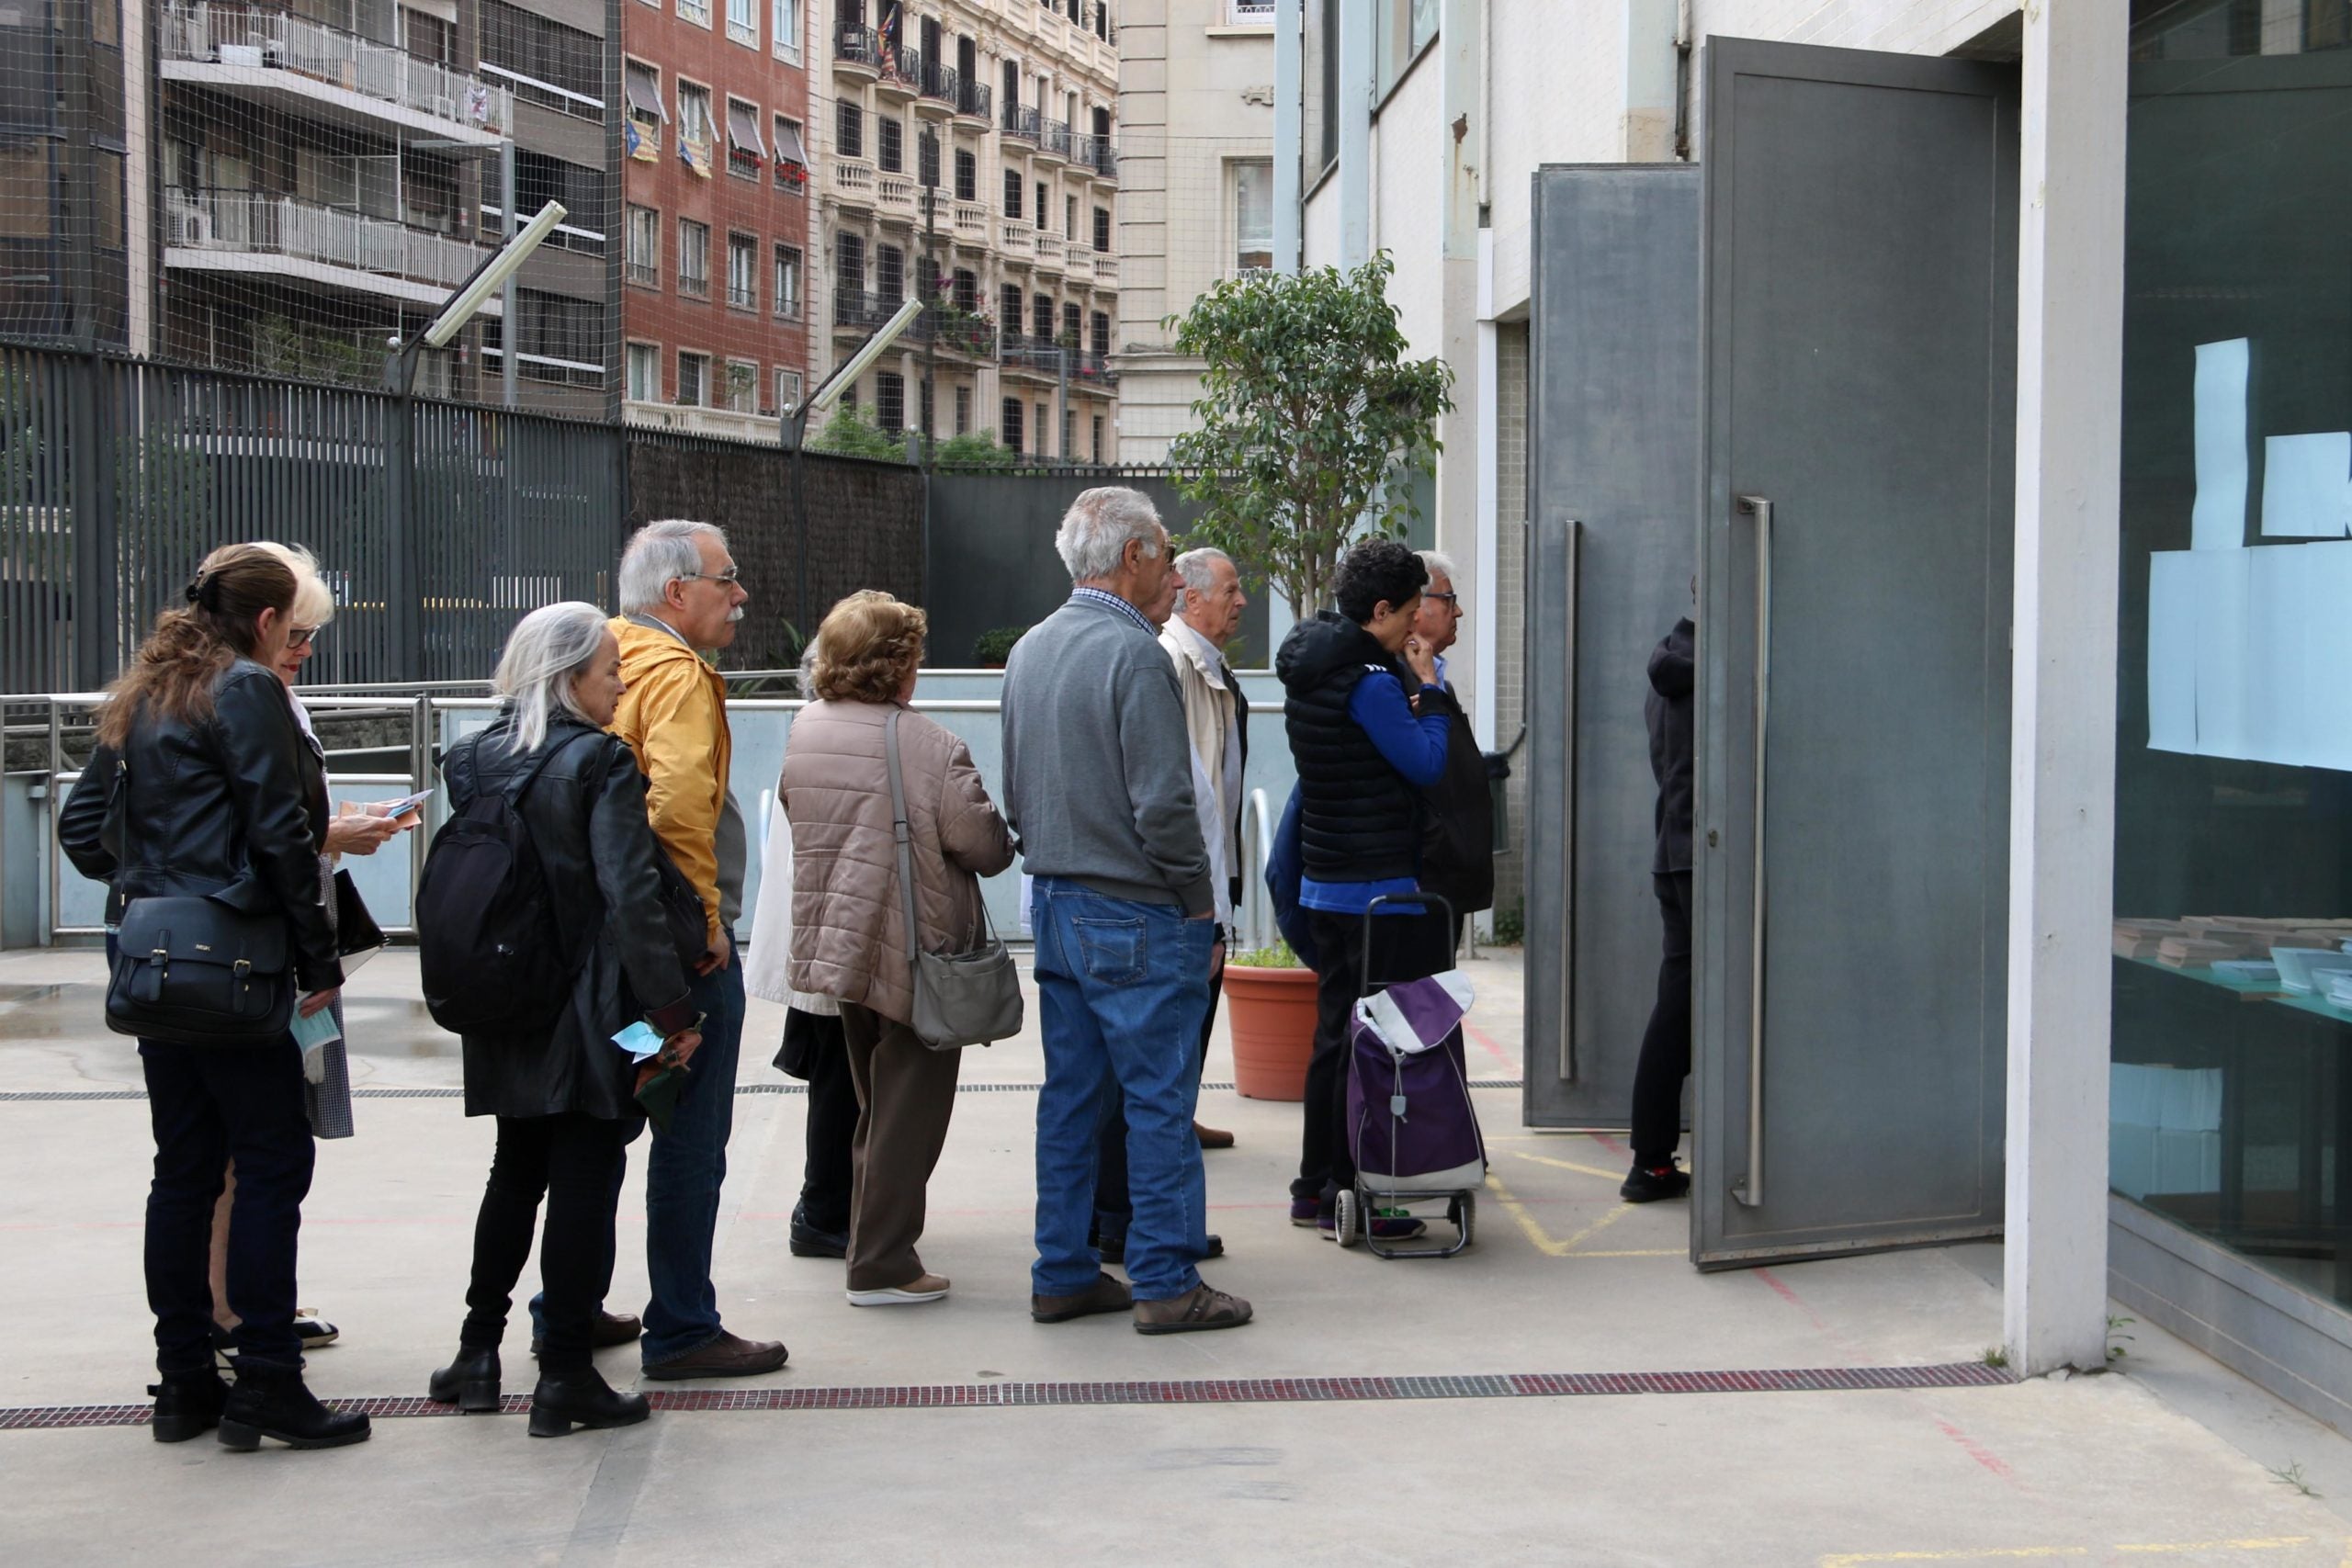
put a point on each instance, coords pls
(865, 528)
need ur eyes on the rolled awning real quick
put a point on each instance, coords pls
(644, 93)
(788, 148)
(744, 130)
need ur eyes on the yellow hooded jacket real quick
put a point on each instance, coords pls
(674, 716)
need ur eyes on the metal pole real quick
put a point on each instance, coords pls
(928, 408)
(405, 588)
(510, 328)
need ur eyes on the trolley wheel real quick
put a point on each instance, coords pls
(1469, 1220)
(1347, 1213)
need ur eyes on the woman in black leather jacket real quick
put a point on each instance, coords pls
(216, 794)
(565, 1098)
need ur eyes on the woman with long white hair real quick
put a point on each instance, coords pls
(564, 1093)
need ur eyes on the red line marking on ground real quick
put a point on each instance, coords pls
(1978, 1452)
(1497, 1052)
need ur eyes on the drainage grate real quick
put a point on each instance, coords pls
(20, 1095)
(1197, 1391)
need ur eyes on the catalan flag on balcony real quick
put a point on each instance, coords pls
(695, 153)
(644, 145)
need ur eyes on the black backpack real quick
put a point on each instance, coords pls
(489, 947)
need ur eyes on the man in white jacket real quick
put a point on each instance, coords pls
(1216, 725)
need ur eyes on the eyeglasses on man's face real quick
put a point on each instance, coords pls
(1451, 600)
(726, 579)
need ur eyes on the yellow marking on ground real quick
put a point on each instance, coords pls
(1570, 1165)
(1518, 1210)
(1658, 1252)
(1551, 1248)
(2261, 1543)
(1568, 1247)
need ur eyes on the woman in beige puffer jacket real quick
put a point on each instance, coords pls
(849, 940)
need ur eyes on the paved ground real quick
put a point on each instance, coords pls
(2174, 1460)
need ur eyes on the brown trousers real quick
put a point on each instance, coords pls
(906, 1093)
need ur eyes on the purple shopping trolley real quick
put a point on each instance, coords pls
(1411, 1127)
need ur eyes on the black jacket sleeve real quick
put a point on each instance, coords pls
(80, 827)
(622, 845)
(261, 753)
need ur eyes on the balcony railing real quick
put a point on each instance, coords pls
(256, 224)
(1021, 352)
(974, 100)
(895, 194)
(852, 179)
(645, 275)
(1088, 367)
(1020, 124)
(901, 67)
(1014, 237)
(864, 311)
(1053, 137)
(971, 222)
(857, 44)
(1106, 268)
(1097, 153)
(1080, 260)
(943, 83)
(227, 35)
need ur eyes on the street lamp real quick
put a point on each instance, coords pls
(794, 434)
(399, 369)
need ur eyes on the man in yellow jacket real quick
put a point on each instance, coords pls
(679, 600)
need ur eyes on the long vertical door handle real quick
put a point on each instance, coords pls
(1568, 823)
(1750, 1188)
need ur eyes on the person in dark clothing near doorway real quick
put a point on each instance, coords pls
(1363, 758)
(1666, 1045)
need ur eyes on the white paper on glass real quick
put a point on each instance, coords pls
(2172, 651)
(2217, 522)
(2327, 636)
(2278, 660)
(2307, 486)
(2222, 581)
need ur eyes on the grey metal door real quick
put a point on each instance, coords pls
(1850, 890)
(1613, 440)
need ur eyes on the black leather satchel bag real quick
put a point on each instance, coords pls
(203, 970)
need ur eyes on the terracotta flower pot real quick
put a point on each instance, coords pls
(1270, 1013)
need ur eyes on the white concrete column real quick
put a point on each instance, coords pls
(2061, 738)
(1290, 123)
(1462, 54)
(1354, 111)
(1645, 130)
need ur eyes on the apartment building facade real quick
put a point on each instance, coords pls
(716, 176)
(329, 170)
(1196, 108)
(969, 158)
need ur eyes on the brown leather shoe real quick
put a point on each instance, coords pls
(725, 1356)
(1212, 1137)
(614, 1328)
(1198, 1308)
(1106, 1295)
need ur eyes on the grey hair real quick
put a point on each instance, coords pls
(658, 554)
(1439, 565)
(1095, 530)
(547, 649)
(1193, 568)
(314, 604)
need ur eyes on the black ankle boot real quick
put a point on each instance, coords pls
(565, 1400)
(469, 1383)
(272, 1401)
(188, 1404)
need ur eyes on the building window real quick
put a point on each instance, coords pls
(1012, 193)
(849, 129)
(788, 281)
(890, 273)
(644, 373)
(1037, 428)
(1069, 218)
(1041, 318)
(694, 258)
(745, 150)
(1044, 214)
(1102, 229)
(1253, 214)
(787, 390)
(927, 159)
(890, 146)
(784, 29)
(694, 124)
(1071, 316)
(1069, 432)
(962, 411)
(544, 62)
(965, 291)
(641, 84)
(1249, 13)
(890, 400)
(1008, 424)
(1401, 30)
(1097, 438)
(694, 379)
(540, 179)
(1009, 308)
(644, 247)
(791, 158)
(967, 176)
(742, 23)
(849, 263)
(743, 272)
(1100, 339)
(742, 391)
(696, 11)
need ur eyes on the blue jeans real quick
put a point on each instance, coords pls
(683, 1175)
(1122, 988)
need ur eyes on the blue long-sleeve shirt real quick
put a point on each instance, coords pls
(1415, 745)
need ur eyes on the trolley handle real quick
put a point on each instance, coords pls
(1419, 896)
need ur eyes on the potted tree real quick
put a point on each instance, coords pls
(1270, 1011)
(1309, 423)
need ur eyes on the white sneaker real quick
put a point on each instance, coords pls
(926, 1288)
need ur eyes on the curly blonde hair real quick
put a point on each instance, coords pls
(868, 645)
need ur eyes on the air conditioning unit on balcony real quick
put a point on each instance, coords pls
(245, 55)
(194, 225)
(444, 109)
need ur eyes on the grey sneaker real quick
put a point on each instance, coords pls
(1199, 1309)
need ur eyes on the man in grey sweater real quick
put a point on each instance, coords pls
(1098, 784)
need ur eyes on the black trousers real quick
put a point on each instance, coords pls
(574, 1162)
(210, 1104)
(1404, 947)
(1113, 1202)
(825, 1180)
(1666, 1044)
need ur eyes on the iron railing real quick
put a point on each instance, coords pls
(1097, 153)
(256, 223)
(1053, 137)
(1020, 123)
(857, 44)
(273, 40)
